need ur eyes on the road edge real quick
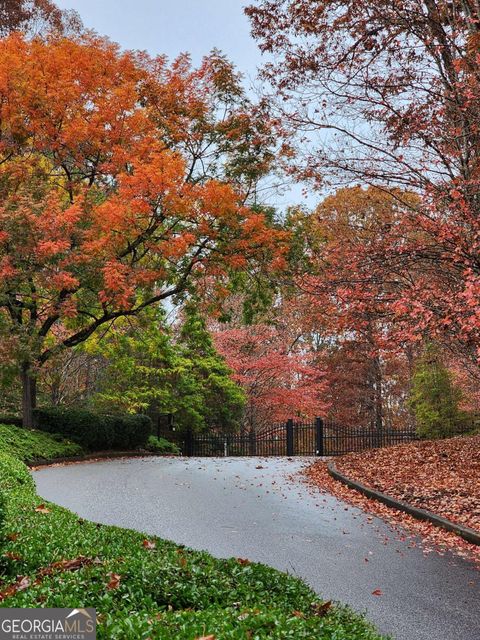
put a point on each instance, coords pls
(91, 457)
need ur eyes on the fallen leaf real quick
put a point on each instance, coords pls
(440, 476)
(149, 544)
(377, 592)
(42, 509)
(243, 561)
(321, 610)
(22, 583)
(114, 581)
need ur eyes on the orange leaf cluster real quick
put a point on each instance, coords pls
(102, 210)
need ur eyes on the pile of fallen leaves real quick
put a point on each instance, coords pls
(441, 476)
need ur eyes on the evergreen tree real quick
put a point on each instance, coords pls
(148, 371)
(223, 400)
(435, 398)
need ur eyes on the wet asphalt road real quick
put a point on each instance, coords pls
(230, 507)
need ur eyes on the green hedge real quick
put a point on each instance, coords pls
(162, 446)
(95, 431)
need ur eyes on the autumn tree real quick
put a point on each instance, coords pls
(275, 367)
(388, 93)
(346, 280)
(36, 17)
(103, 212)
(403, 70)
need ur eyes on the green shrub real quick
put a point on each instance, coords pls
(95, 431)
(130, 431)
(435, 398)
(162, 446)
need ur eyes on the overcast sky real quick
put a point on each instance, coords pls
(174, 26)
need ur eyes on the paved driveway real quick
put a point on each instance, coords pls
(231, 507)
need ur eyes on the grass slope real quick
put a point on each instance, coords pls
(148, 588)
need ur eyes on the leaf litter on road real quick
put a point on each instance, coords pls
(425, 467)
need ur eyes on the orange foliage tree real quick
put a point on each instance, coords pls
(123, 180)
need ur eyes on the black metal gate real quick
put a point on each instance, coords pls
(293, 438)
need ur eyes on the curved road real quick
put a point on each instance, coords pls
(231, 507)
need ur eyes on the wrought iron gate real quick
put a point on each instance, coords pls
(293, 438)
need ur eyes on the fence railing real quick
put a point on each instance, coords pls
(293, 438)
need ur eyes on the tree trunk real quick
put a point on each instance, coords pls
(29, 396)
(378, 409)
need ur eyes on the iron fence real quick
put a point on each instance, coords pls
(293, 438)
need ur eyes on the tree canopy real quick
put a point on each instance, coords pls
(108, 203)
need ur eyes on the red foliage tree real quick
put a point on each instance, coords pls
(36, 17)
(393, 89)
(348, 288)
(276, 371)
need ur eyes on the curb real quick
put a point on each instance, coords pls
(91, 457)
(470, 535)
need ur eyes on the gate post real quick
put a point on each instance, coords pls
(319, 436)
(252, 443)
(290, 446)
(188, 443)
